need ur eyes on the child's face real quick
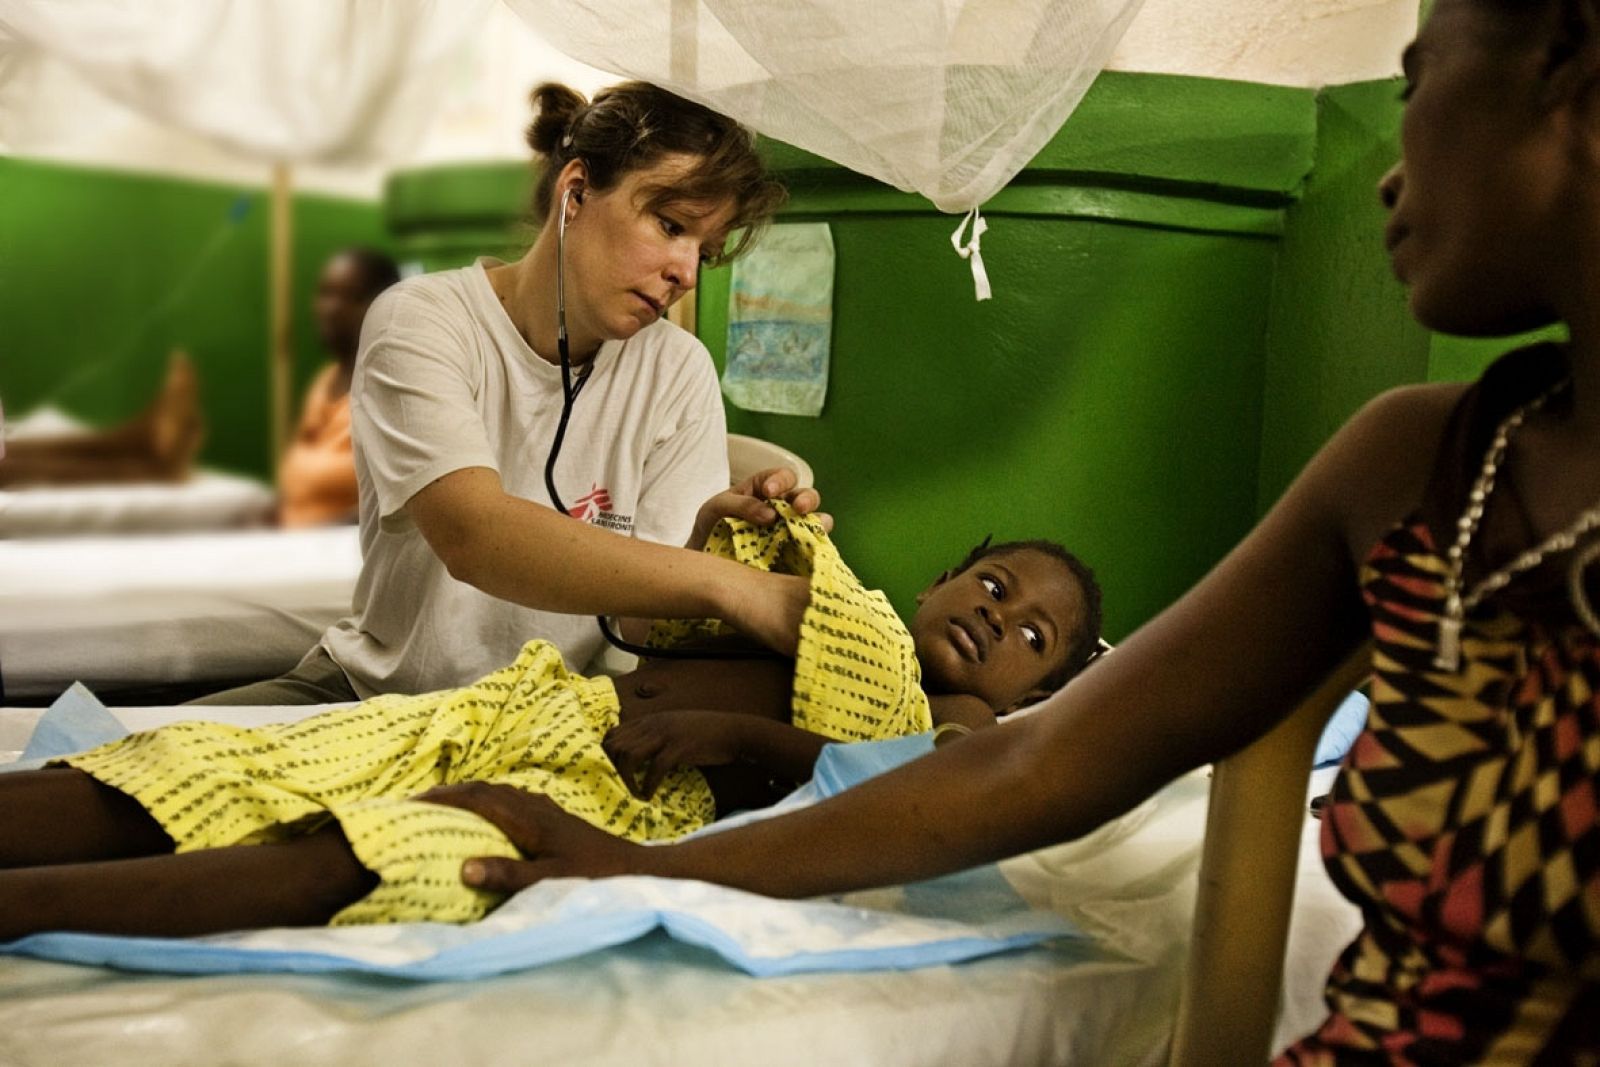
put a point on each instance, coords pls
(1482, 204)
(999, 628)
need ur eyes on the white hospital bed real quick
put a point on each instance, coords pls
(655, 1001)
(199, 611)
(207, 500)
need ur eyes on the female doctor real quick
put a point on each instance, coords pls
(487, 400)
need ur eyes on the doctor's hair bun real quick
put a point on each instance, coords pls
(554, 107)
(705, 158)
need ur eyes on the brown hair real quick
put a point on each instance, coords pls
(634, 125)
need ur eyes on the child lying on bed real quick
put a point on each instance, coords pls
(133, 837)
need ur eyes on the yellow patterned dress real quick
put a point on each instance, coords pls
(533, 724)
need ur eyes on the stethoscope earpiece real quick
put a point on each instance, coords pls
(564, 216)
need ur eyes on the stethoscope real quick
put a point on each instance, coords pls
(569, 389)
(569, 395)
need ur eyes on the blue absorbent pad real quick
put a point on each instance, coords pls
(1344, 726)
(76, 721)
(962, 916)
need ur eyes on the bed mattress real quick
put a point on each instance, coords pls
(158, 610)
(209, 500)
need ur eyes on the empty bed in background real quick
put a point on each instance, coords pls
(179, 614)
(209, 500)
(161, 618)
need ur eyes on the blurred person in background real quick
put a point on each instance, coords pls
(317, 475)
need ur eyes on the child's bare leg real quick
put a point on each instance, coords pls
(303, 881)
(61, 815)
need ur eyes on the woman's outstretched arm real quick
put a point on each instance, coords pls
(1205, 678)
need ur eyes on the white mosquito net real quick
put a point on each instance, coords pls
(332, 82)
(947, 98)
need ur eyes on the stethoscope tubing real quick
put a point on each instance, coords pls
(569, 396)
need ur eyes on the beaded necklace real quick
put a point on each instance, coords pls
(1457, 601)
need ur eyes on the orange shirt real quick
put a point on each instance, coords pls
(317, 478)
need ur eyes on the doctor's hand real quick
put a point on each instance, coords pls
(748, 500)
(555, 844)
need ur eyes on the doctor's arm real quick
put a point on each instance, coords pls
(530, 554)
(416, 419)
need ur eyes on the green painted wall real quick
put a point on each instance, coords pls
(1108, 397)
(1339, 331)
(102, 273)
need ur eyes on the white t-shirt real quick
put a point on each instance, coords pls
(443, 382)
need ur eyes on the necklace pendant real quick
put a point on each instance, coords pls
(1448, 655)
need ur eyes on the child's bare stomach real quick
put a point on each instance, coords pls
(750, 687)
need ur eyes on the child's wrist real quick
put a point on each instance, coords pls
(665, 861)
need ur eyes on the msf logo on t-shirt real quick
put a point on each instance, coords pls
(595, 507)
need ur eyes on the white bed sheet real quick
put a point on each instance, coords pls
(208, 500)
(660, 1002)
(121, 613)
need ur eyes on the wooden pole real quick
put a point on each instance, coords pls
(1233, 982)
(280, 286)
(683, 66)
(683, 312)
(684, 56)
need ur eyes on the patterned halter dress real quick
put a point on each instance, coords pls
(1465, 821)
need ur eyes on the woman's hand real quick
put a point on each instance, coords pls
(557, 845)
(748, 501)
(647, 749)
